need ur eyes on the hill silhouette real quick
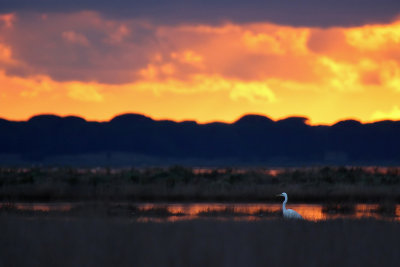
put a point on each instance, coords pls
(250, 139)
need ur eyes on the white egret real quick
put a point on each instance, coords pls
(288, 213)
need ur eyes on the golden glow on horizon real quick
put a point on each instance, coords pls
(381, 115)
(204, 72)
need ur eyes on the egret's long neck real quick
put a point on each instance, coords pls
(284, 203)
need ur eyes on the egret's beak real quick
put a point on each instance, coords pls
(279, 195)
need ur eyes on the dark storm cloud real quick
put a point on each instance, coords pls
(292, 12)
(81, 46)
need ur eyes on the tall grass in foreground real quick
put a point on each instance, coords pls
(106, 242)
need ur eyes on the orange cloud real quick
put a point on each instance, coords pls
(374, 37)
(84, 91)
(5, 54)
(7, 20)
(271, 39)
(85, 64)
(75, 38)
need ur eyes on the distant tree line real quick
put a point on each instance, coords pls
(252, 138)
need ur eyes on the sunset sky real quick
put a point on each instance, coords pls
(201, 60)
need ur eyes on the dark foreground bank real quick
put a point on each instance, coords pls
(111, 242)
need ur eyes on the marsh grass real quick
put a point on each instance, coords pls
(99, 210)
(231, 212)
(386, 209)
(268, 213)
(339, 208)
(116, 242)
(226, 212)
(157, 212)
(178, 183)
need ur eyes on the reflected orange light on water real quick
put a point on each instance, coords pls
(44, 207)
(220, 211)
(310, 212)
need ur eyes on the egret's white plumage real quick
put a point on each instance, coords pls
(288, 213)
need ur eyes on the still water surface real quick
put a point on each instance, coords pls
(226, 211)
(312, 212)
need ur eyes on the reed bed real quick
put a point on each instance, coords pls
(318, 184)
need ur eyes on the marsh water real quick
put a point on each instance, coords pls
(170, 212)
